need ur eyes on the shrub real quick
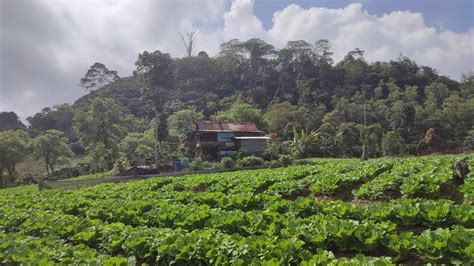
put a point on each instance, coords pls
(276, 148)
(251, 161)
(121, 166)
(241, 154)
(228, 163)
(285, 160)
(197, 164)
(63, 173)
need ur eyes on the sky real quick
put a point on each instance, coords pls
(46, 46)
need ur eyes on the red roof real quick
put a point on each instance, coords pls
(226, 127)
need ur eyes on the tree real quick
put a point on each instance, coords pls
(189, 40)
(241, 112)
(59, 117)
(102, 122)
(138, 147)
(10, 121)
(392, 143)
(322, 49)
(183, 122)
(303, 144)
(14, 146)
(51, 147)
(156, 70)
(284, 116)
(97, 77)
(348, 141)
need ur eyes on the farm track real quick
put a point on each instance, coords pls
(117, 179)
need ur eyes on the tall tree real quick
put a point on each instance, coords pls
(156, 70)
(241, 112)
(189, 37)
(59, 117)
(52, 148)
(101, 123)
(14, 146)
(10, 121)
(97, 77)
(183, 122)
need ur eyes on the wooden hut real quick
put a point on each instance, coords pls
(217, 139)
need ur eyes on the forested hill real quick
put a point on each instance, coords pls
(300, 87)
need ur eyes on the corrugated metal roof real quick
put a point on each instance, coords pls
(259, 137)
(226, 127)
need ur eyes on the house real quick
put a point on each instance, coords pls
(216, 139)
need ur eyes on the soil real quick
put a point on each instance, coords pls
(199, 189)
(305, 192)
(262, 188)
(392, 194)
(451, 192)
(414, 229)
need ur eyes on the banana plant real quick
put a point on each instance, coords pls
(302, 142)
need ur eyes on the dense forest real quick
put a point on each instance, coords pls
(379, 109)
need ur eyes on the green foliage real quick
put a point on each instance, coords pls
(100, 128)
(228, 163)
(253, 217)
(392, 144)
(181, 123)
(10, 121)
(197, 164)
(303, 144)
(138, 147)
(120, 167)
(241, 112)
(97, 77)
(52, 148)
(285, 160)
(251, 161)
(155, 70)
(14, 145)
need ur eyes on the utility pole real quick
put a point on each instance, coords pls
(364, 136)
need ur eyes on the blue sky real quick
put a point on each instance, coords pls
(454, 15)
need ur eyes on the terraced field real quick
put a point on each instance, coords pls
(385, 211)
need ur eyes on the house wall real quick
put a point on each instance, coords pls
(253, 146)
(213, 144)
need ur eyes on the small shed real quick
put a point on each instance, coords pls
(253, 145)
(215, 139)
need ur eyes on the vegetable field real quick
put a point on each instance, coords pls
(385, 211)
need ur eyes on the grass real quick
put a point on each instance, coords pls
(91, 176)
(32, 167)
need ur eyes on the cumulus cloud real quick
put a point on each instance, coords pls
(381, 37)
(240, 21)
(47, 46)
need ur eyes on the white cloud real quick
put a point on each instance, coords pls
(240, 21)
(382, 37)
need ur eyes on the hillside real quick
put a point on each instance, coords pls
(300, 86)
(333, 211)
(353, 108)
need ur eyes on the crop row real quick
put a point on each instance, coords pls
(265, 236)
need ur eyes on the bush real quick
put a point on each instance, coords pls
(241, 154)
(304, 162)
(62, 173)
(197, 164)
(251, 161)
(285, 160)
(277, 148)
(227, 163)
(121, 166)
